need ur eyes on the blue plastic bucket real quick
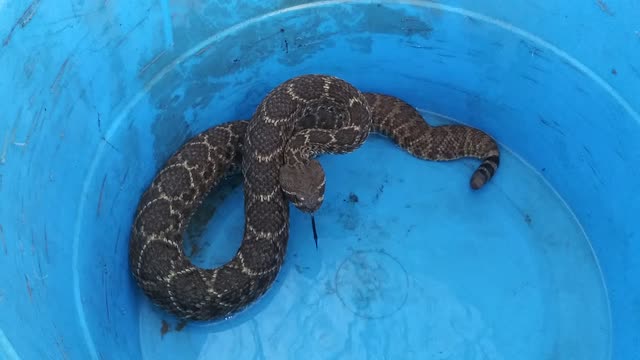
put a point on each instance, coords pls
(542, 263)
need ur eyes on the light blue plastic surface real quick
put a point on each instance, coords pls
(541, 264)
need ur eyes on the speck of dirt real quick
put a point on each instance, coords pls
(614, 71)
(380, 191)
(164, 329)
(527, 219)
(353, 198)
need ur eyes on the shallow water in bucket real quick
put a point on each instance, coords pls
(411, 263)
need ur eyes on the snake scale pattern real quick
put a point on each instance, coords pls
(300, 119)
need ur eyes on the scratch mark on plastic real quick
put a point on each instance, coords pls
(533, 50)
(56, 81)
(581, 90)
(203, 50)
(529, 79)
(33, 242)
(110, 145)
(102, 135)
(29, 289)
(27, 15)
(40, 273)
(604, 7)
(104, 180)
(114, 203)
(130, 31)
(36, 123)
(115, 247)
(537, 68)
(590, 163)
(151, 62)
(124, 177)
(167, 24)
(8, 138)
(46, 244)
(4, 241)
(552, 124)
(106, 293)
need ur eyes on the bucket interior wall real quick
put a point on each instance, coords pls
(98, 94)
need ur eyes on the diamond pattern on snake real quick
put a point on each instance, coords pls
(275, 152)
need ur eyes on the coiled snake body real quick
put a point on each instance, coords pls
(298, 120)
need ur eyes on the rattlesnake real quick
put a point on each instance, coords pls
(298, 120)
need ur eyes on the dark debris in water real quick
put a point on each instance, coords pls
(164, 329)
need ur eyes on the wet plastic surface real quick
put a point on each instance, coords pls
(411, 264)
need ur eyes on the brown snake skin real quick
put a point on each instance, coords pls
(303, 117)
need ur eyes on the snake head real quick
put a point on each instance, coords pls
(303, 185)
